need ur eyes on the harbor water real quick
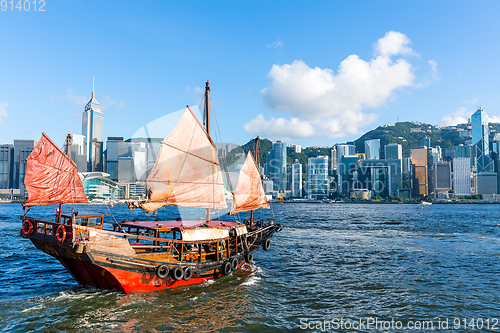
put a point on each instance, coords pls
(355, 263)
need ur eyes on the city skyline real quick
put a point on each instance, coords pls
(272, 75)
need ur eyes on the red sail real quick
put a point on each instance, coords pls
(51, 177)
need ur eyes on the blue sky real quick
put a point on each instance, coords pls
(311, 73)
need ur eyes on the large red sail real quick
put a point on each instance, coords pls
(51, 177)
(249, 194)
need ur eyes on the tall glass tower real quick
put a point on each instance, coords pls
(276, 165)
(480, 140)
(92, 122)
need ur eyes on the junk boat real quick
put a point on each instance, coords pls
(133, 256)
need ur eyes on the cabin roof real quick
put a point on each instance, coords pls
(167, 225)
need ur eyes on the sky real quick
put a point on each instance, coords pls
(309, 73)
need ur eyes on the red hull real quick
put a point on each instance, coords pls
(89, 274)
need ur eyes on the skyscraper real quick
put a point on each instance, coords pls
(6, 166)
(276, 165)
(420, 169)
(462, 176)
(393, 151)
(92, 128)
(317, 171)
(442, 176)
(22, 148)
(296, 179)
(372, 149)
(480, 140)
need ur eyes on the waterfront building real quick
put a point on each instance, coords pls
(77, 151)
(268, 186)
(92, 129)
(115, 148)
(98, 185)
(462, 173)
(6, 166)
(22, 149)
(126, 172)
(296, 181)
(442, 176)
(317, 174)
(485, 183)
(480, 140)
(347, 173)
(372, 149)
(382, 177)
(276, 166)
(420, 172)
(393, 151)
(333, 160)
(343, 150)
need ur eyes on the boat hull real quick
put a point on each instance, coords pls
(95, 269)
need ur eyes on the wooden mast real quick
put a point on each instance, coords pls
(68, 142)
(257, 164)
(207, 128)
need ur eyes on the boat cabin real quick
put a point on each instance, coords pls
(191, 241)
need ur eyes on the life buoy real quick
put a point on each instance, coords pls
(177, 273)
(187, 273)
(234, 264)
(249, 257)
(266, 245)
(226, 268)
(61, 233)
(162, 271)
(27, 227)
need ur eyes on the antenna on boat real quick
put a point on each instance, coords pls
(207, 128)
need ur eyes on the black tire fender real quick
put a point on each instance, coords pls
(188, 272)
(266, 245)
(177, 273)
(279, 227)
(162, 271)
(249, 257)
(234, 264)
(226, 268)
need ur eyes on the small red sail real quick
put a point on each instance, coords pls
(51, 177)
(249, 193)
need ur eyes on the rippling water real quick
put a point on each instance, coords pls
(401, 262)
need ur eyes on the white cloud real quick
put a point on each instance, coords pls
(276, 44)
(493, 119)
(434, 72)
(3, 112)
(471, 101)
(461, 116)
(393, 43)
(332, 103)
(280, 127)
(107, 103)
(433, 75)
(71, 98)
